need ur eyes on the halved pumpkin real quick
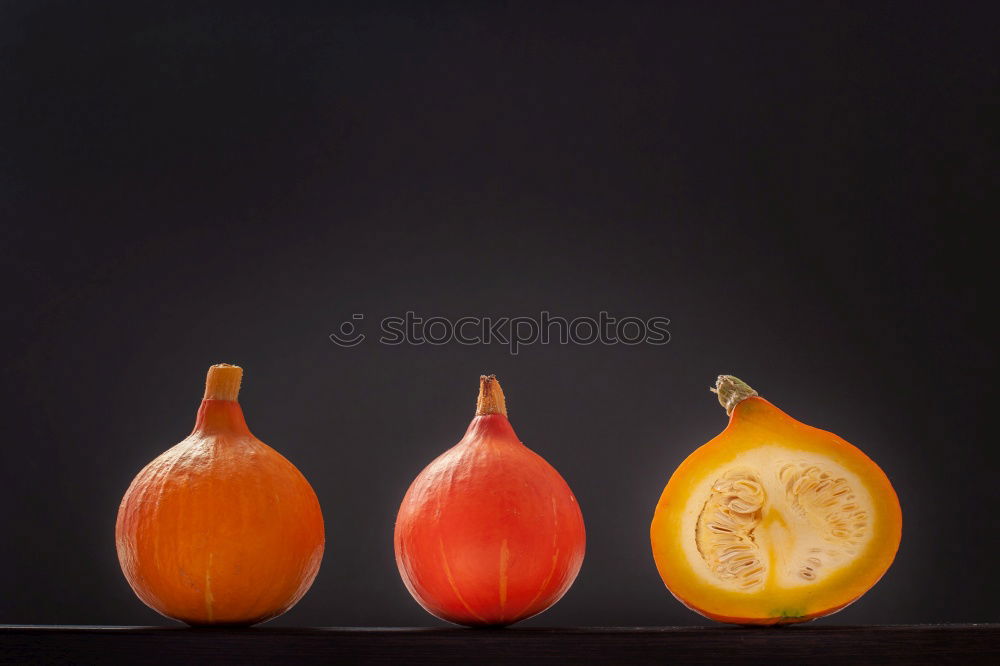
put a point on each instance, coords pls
(773, 521)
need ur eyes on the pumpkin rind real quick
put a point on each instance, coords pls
(220, 529)
(489, 533)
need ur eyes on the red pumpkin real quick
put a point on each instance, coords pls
(489, 533)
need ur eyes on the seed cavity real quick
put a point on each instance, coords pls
(724, 533)
(829, 504)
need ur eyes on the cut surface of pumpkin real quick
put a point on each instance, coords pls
(773, 521)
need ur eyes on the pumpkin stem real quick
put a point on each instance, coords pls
(491, 400)
(223, 382)
(731, 392)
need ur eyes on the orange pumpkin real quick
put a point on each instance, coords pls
(773, 521)
(489, 533)
(220, 529)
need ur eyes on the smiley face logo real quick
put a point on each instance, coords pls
(347, 334)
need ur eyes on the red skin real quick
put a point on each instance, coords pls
(489, 533)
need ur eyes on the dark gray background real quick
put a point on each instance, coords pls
(801, 190)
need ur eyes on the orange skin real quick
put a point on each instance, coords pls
(489, 533)
(756, 421)
(220, 529)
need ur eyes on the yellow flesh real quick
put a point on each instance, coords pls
(772, 518)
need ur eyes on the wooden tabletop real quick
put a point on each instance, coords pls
(803, 644)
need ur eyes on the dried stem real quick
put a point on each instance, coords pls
(491, 400)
